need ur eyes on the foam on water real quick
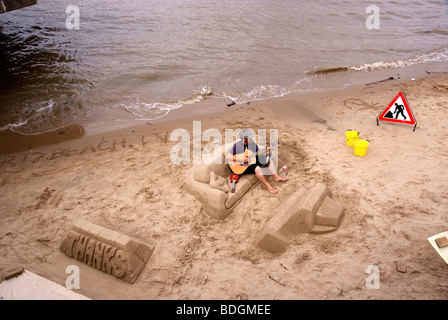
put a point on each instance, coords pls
(139, 110)
(439, 55)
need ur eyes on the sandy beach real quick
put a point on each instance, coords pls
(394, 198)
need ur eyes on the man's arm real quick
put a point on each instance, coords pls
(263, 151)
(237, 158)
(231, 156)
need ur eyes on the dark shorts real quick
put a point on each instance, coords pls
(251, 169)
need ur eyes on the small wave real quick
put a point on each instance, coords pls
(140, 110)
(322, 70)
(265, 92)
(13, 126)
(30, 122)
(434, 56)
(46, 108)
(258, 93)
(435, 31)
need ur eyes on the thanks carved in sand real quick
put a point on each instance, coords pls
(107, 250)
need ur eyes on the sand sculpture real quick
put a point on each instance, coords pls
(313, 211)
(210, 184)
(107, 250)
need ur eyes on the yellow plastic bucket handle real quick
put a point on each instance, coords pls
(355, 131)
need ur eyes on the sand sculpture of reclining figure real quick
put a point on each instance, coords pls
(210, 183)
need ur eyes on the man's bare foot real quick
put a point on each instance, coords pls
(277, 179)
(272, 190)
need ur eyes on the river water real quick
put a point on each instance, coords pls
(139, 59)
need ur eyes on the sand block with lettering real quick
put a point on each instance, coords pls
(107, 250)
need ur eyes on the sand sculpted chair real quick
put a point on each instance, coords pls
(210, 183)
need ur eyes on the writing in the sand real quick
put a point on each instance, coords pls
(102, 146)
(95, 253)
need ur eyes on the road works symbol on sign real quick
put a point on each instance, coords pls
(398, 111)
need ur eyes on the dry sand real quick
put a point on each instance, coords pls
(394, 198)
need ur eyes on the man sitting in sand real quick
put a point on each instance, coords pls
(236, 155)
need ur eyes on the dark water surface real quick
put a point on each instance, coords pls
(141, 58)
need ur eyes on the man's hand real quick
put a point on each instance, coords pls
(241, 159)
(265, 152)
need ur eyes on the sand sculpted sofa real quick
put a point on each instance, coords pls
(210, 183)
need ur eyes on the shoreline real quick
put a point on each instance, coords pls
(12, 142)
(353, 81)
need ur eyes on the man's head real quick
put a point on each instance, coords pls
(246, 135)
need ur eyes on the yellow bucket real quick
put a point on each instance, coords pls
(351, 136)
(360, 147)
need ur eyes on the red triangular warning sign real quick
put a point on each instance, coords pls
(398, 111)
